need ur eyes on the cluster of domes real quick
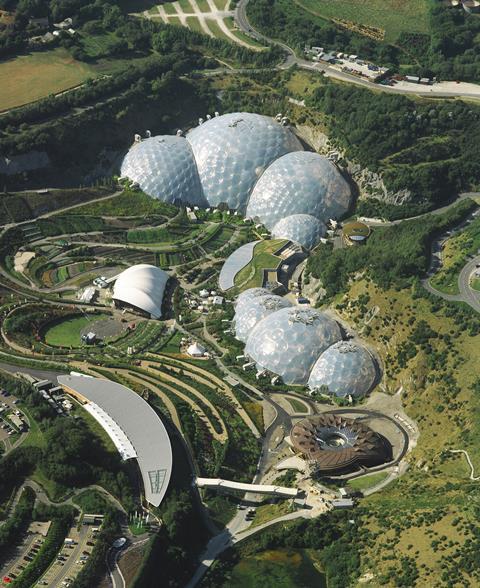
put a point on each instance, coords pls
(301, 345)
(250, 162)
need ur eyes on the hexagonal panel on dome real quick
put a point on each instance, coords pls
(345, 368)
(247, 295)
(233, 150)
(289, 341)
(254, 310)
(304, 229)
(164, 167)
(299, 183)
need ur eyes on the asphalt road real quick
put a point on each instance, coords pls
(466, 293)
(243, 23)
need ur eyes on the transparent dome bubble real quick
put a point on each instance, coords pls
(289, 341)
(164, 168)
(233, 150)
(345, 368)
(299, 183)
(254, 310)
(304, 229)
(248, 295)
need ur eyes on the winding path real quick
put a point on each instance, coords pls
(472, 469)
(466, 293)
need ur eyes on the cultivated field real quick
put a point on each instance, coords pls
(30, 77)
(392, 16)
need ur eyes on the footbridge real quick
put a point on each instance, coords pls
(218, 484)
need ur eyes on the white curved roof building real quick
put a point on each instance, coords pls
(134, 427)
(232, 151)
(142, 286)
(344, 368)
(254, 310)
(299, 183)
(289, 341)
(164, 167)
(304, 229)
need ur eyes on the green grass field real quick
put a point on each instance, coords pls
(185, 5)
(169, 8)
(297, 405)
(392, 17)
(217, 31)
(194, 24)
(30, 77)
(365, 482)
(203, 6)
(475, 284)
(67, 332)
(221, 4)
(174, 20)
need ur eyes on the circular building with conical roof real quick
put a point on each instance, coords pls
(336, 444)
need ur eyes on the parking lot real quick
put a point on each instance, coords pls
(9, 432)
(25, 552)
(71, 558)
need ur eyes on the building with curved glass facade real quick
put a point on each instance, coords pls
(299, 183)
(304, 229)
(254, 310)
(344, 368)
(164, 167)
(289, 341)
(232, 151)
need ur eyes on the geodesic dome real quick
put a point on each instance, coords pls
(345, 368)
(164, 167)
(254, 310)
(299, 183)
(233, 150)
(289, 341)
(304, 229)
(247, 295)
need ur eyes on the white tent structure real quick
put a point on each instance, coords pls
(196, 350)
(141, 286)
